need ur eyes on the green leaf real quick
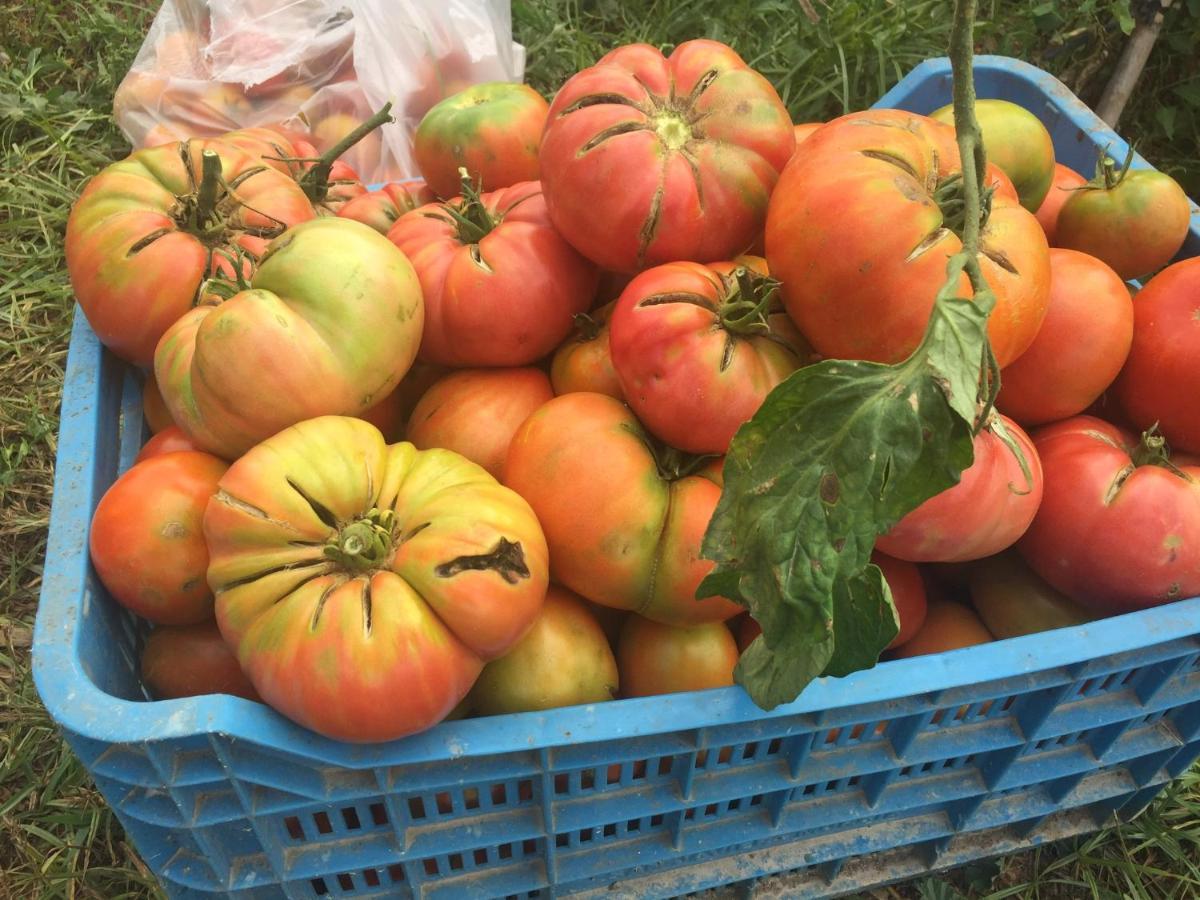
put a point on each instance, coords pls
(1165, 116)
(865, 621)
(1121, 9)
(837, 454)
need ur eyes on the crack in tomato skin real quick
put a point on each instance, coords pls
(506, 559)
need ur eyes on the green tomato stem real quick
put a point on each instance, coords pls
(315, 182)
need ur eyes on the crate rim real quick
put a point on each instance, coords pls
(77, 704)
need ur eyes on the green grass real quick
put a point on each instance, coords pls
(60, 61)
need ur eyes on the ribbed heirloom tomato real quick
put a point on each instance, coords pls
(500, 284)
(857, 235)
(380, 209)
(149, 230)
(492, 130)
(648, 159)
(697, 350)
(623, 518)
(583, 362)
(328, 326)
(365, 585)
(1118, 528)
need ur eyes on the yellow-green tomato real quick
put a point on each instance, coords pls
(1012, 600)
(330, 323)
(564, 660)
(1016, 141)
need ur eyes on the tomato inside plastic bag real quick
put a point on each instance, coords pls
(319, 67)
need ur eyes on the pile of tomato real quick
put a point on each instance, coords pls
(449, 447)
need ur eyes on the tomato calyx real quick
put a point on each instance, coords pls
(1108, 174)
(315, 181)
(671, 462)
(950, 196)
(1152, 450)
(587, 327)
(468, 213)
(364, 544)
(747, 299)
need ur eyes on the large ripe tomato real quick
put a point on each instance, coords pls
(624, 525)
(365, 585)
(1161, 378)
(139, 243)
(1080, 347)
(1117, 529)
(329, 325)
(492, 130)
(380, 209)
(146, 540)
(858, 240)
(647, 160)
(192, 660)
(1017, 142)
(1012, 600)
(1062, 186)
(475, 412)
(500, 284)
(948, 626)
(989, 508)
(695, 352)
(583, 362)
(563, 660)
(1133, 219)
(663, 659)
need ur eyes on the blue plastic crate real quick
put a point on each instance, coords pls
(909, 767)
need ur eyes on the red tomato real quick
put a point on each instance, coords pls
(1080, 348)
(985, 512)
(860, 245)
(192, 660)
(563, 660)
(1116, 530)
(908, 594)
(475, 412)
(137, 251)
(380, 209)
(492, 130)
(695, 351)
(624, 525)
(1061, 188)
(170, 440)
(1135, 221)
(365, 585)
(584, 361)
(146, 540)
(948, 626)
(500, 284)
(647, 160)
(1161, 379)
(663, 659)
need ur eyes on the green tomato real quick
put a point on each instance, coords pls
(1016, 141)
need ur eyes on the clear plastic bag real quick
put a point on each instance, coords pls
(318, 67)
